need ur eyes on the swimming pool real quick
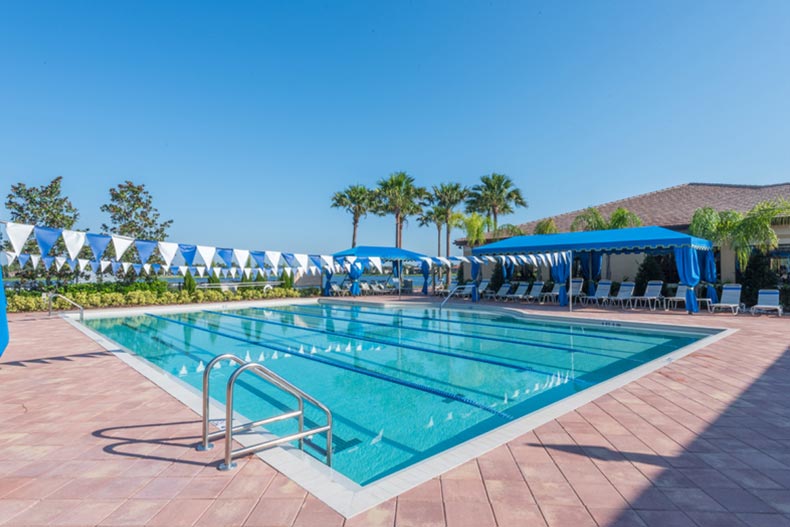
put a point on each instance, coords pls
(403, 383)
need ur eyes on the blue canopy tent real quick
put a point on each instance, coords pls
(3, 318)
(392, 254)
(651, 240)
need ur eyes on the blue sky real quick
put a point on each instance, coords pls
(242, 119)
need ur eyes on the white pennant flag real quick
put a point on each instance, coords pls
(84, 263)
(17, 234)
(105, 264)
(247, 271)
(7, 257)
(273, 257)
(216, 271)
(168, 251)
(60, 261)
(241, 256)
(120, 243)
(206, 254)
(74, 241)
(302, 260)
(375, 261)
(233, 271)
(147, 268)
(288, 271)
(327, 261)
(200, 270)
(183, 269)
(34, 259)
(125, 266)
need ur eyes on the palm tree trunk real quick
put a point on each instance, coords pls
(439, 239)
(354, 235)
(496, 223)
(397, 230)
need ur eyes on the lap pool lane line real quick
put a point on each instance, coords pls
(457, 334)
(328, 362)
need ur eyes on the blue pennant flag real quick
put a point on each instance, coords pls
(156, 268)
(193, 270)
(137, 268)
(95, 265)
(290, 260)
(188, 252)
(174, 269)
(72, 263)
(226, 255)
(47, 261)
(115, 266)
(316, 260)
(23, 259)
(145, 249)
(225, 273)
(98, 243)
(259, 257)
(46, 238)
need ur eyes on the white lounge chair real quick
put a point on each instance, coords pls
(535, 292)
(337, 290)
(624, 295)
(500, 294)
(767, 301)
(576, 289)
(464, 291)
(601, 293)
(651, 298)
(680, 296)
(482, 287)
(553, 295)
(520, 293)
(730, 299)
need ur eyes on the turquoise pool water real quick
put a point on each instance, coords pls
(403, 384)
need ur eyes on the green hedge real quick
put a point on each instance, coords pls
(19, 302)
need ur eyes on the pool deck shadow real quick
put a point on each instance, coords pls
(704, 441)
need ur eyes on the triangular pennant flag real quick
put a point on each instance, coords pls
(23, 259)
(174, 270)
(328, 261)
(255, 273)
(226, 255)
(74, 241)
(60, 261)
(241, 256)
(121, 244)
(201, 270)
(7, 257)
(288, 271)
(98, 243)
(290, 261)
(375, 261)
(83, 263)
(216, 271)
(233, 271)
(183, 269)
(247, 272)
(95, 267)
(302, 260)
(259, 258)
(273, 257)
(105, 265)
(156, 267)
(47, 261)
(168, 252)
(34, 259)
(125, 266)
(187, 252)
(17, 234)
(206, 254)
(225, 273)
(147, 268)
(137, 268)
(46, 238)
(193, 270)
(145, 248)
(116, 266)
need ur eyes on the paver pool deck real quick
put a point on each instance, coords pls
(704, 441)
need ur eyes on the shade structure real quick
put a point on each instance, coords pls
(393, 254)
(632, 240)
(3, 318)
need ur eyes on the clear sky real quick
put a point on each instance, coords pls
(243, 118)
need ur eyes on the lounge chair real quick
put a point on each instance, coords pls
(680, 296)
(651, 298)
(767, 300)
(464, 291)
(448, 290)
(553, 295)
(498, 295)
(624, 295)
(535, 292)
(730, 299)
(337, 290)
(519, 294)
(365, 288)
(576, 289)
(601, 293)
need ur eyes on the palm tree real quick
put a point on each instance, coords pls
(494, 195)
(546, 226)
(433, 216)
(476, 226)
(623, 218)
(448, 196)
(357, 200)
(399, 196)
(592, 220)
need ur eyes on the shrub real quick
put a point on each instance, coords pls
(758, 275)
(189, 283)
(649, 269)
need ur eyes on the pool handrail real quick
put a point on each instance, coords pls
(275, 380)
(69, 300)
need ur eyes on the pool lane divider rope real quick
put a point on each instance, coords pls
(557, 347)
(322, 360)
(510, 365)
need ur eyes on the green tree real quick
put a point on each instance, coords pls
(133, 214)
(357, 200)
(476, 227)
(591, 219)
(44, 205)
(189, 283)
(448, 196)
(495, 195)
(508, 230)
(623, 218)
(546, 226)
(399, 196)
(434, 215)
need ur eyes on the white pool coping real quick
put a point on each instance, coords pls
(339, 492)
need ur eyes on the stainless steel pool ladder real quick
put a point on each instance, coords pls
(69, 300)
(275, 380)
(449, 296)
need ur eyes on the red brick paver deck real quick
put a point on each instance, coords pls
(705, 441)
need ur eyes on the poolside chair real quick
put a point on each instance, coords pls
(482, 287)
(448, 290)
(576, 289)
(624, 295)
(519, 294)
(553, 295)
(365, 288)
(767, 300)
(535, 292)
(680, 296)
(337, 290)
(601, 293)
(650, 298)
(465, 291)
(730, 299)
(501, 293)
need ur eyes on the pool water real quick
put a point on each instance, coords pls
(403, 384)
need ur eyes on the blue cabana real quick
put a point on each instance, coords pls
(653, 240)
(393, 254)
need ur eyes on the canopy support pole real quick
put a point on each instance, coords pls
(570, 282)
(400, 277)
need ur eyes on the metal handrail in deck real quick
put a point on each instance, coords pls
(70, 301)
(277, 381)
(449, 296)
